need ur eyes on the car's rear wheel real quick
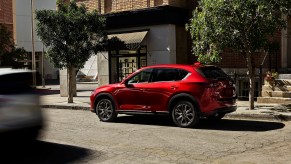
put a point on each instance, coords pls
(216, 117)
(184, 114)
(105, 110)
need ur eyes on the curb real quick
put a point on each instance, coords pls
(66, 107)
(267, 117)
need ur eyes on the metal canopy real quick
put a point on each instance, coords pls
(132, 40)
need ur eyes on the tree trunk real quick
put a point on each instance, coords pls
(70, 84)
(251, 75)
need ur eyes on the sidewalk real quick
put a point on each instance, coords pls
(50, 98)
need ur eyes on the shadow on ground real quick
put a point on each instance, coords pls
(240, 125)
(224, 124)
(42, 152)
(47, 91)
(145, 120)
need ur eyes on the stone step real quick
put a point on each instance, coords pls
(283, 82)
(284, 76)
(86, 79)
(284, 94)
(274, 100)
(276, 88)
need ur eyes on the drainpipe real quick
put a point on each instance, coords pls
(32, 42)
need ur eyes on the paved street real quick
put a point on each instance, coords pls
(75, 136)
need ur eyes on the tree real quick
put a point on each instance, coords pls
(10, 55)
(245, 27)
(72, 34)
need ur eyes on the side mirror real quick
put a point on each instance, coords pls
(126, 83)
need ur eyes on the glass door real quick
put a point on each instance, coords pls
(127, 65)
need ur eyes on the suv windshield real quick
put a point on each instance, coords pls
(212, 72)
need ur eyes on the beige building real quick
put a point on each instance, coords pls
(23, 38)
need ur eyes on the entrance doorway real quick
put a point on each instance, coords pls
(122, 63)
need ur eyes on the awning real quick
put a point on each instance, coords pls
(131, 40)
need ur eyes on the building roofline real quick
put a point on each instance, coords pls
(146, 17)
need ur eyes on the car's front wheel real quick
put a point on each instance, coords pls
(105, 110)
(184, 114)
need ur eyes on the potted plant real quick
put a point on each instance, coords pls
(270, 78)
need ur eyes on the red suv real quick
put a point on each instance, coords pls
(184, 92)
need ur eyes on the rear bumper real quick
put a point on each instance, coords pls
(223, 110)
(226, 109)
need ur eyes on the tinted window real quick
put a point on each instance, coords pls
(141, 77)
(212, 72)
(182, 74)
(168, 74)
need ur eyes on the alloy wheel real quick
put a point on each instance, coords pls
(105, 110)
(184, 114)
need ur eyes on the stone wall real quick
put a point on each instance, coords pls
(109, 6)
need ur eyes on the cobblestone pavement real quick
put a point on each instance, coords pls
(75, 136)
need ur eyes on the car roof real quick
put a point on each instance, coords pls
(5, 71)
(181, 66)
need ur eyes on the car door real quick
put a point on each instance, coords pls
(131, 97)
(164, 84)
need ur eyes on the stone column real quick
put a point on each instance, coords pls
(103, 68)
(64, 83)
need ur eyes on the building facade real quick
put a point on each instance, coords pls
(16, 16)
(23, 34)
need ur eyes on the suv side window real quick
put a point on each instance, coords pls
(141, 77)
(168, 74)
(182, 74)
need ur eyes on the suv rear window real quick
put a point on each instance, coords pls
(212, 72)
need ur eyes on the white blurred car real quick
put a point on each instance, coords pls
(20, 113)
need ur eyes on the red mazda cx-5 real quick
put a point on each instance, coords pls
(184, 92)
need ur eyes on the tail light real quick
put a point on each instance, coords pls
(220, 89)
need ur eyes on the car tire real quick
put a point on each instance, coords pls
(184, 114)
(105, 110)
(216, 117)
